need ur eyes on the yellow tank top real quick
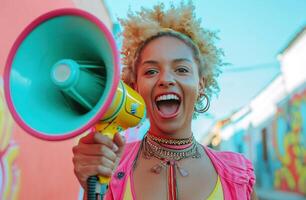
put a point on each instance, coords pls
(216, 194)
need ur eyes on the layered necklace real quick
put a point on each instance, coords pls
(169, 152)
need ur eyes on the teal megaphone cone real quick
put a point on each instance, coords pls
(79, 83)
(37, 92)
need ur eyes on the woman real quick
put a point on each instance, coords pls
(173, 63)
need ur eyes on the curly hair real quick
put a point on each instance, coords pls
(180, 22)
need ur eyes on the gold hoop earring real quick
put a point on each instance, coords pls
(199, 106)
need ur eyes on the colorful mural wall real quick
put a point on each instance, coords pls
(9, 171)
(271, 129)
(277, 147)
(289, 145)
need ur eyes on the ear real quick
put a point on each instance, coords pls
(201, 85)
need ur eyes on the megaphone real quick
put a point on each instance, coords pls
(62, 77)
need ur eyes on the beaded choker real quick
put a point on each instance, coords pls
(166, 141)
(170, 152)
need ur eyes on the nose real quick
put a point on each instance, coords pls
(166, 79)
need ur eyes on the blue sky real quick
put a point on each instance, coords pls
(251, 33)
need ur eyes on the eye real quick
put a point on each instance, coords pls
(150, 72)
(182, 69)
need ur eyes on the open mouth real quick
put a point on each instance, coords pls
(168, 104)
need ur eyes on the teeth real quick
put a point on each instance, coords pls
(167, 97)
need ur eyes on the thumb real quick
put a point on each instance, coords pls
(119, 140)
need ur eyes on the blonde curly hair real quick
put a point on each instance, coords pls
(180, 22)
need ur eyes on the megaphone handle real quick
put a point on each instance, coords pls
(108, 129)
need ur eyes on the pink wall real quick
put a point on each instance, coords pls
(15, 15)
(35, 169)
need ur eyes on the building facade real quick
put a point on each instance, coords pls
(271, 129)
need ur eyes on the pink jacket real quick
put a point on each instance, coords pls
(235, 171)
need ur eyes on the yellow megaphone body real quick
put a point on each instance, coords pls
(62, 77)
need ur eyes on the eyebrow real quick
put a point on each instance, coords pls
(174, 61)
(149, 62)
(182, 60)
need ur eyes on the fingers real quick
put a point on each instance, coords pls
(86, 166)
(84, 172)
(97, 138)
(119, 140)
(90, 165)
(95, 150)
(102, 139)
(93, 160)
(96, 154)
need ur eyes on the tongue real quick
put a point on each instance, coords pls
(168, 107)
